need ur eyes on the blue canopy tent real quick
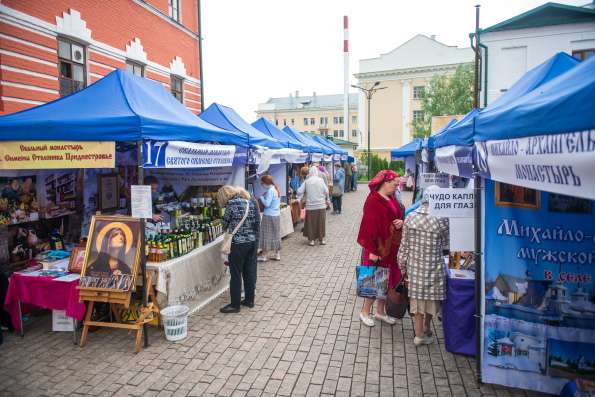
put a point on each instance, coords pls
(544, 139)
(119, 107)
(337, 148)
(226, 118)
(266, 127)
(325, 144)
(432, 138)
(454, 150)
(407, 150)
(311, 146)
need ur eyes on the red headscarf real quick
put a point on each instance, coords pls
(381, 177)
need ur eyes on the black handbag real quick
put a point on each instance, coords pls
(397, 300)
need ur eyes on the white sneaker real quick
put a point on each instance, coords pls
(278, 256)
(323, 242)
(262, 259)
(423, 341)
(386, 319)
(311, 243)
(367, 320)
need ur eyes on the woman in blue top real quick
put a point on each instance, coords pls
(270, 229)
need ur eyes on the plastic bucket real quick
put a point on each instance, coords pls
(175, 322)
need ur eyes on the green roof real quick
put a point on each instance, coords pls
(548, 14)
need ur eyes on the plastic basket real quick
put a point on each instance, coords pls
(175, 322)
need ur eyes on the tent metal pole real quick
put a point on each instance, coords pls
(143, 256)
(477, 213)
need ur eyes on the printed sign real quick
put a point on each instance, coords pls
(434, 179)
(561, 163)
(37, 155)
(179, 154)
(451, 203)
(180, 180)
(140, 201)
(455, 160)
(539, 308)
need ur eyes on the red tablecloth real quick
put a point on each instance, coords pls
(44, 292)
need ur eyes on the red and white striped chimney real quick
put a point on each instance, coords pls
(346, 77)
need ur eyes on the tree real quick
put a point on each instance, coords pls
(379, 164)
(445, 95)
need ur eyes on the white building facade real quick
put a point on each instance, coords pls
(513, 47)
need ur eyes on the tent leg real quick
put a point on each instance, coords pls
(478, 272)
(143, 257)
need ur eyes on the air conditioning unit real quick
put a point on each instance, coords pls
(78, 54)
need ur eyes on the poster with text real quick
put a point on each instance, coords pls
(539, 320)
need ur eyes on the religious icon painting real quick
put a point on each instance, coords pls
(113, 253)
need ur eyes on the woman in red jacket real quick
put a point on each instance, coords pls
(380, 236)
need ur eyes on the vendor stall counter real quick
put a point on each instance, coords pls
(193, 279)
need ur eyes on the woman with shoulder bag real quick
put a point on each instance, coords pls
(241, 223)
(380, 236)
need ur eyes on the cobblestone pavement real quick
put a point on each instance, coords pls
(302, 338)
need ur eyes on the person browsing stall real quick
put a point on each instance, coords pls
(338, 188)
(270, 226)
(240, 209)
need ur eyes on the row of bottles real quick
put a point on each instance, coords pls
(193, 233)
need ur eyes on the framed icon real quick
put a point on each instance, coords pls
(517, 196)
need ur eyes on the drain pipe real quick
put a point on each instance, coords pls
(202, 90)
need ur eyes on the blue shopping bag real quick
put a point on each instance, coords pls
(371, 281)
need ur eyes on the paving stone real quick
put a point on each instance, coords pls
(303, 338)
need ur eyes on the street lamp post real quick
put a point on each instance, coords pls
(368, 92)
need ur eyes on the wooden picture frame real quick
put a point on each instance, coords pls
(513, 196)
(108, 192)
(112, 254)
(77, 259)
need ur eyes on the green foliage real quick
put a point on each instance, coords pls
(379, 164)
(445, 95)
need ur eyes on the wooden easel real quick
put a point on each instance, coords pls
(118, 300)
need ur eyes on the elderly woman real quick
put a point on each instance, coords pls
(315, 193)
(241, 210)
(270, 227)
(380, 236)
(422, 263)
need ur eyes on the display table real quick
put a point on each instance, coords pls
(458, 314)
(45, 292)
(193, 279)
(286, 222)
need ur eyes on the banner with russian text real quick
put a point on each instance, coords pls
(180, 154)
(539, 307)
(560, 163)
(40, 155)
(455, 160)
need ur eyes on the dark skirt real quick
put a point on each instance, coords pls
(315, 224)
(270, 233)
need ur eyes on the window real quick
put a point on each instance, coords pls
(174, 9)
(418, 115)
(292, 121)
(418, 92)
(284, 121)
(312, 121)
(338, 120)
(276, 122)
(177, 89)
(323, 120)
(72, 64)
(354, 133)
(336, 133)
(135, 68)
(581, 55)
(353, 119)
(306, 121)
(341, 133)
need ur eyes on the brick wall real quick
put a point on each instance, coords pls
(28, 45)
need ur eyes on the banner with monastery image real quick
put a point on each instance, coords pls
(539, 314)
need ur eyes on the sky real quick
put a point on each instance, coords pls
(257, 49)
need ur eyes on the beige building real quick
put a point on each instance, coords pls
(404, 71)
(316, 114)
